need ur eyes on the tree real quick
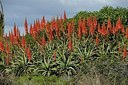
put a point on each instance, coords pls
(1, 20)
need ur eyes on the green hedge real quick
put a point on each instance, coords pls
(104, 13)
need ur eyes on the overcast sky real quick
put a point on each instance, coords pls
(17, 10)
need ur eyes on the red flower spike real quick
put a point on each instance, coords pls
(118, 23)
(84, 30)
(18, 33)
(99, 28)
(34, 35)
(109, 25)
(79, 33)
(12, 38)
(54, 55)
(26, 26)
(97, 40)
(114, 29)
(94, 22)
(92, 30)
(48, 28)
(65, 16)
(80, 23)
(89, 21)
(7, 50)
(56, 27)
(31, 29)
(51, 36)
(43, 23)
(69, 30)
(15, 40)
(15, 30)
(122, 29)
(70, 45)
(1, 46)
(43, 41)
(104, 29)
(38, 25)
(23, 42)
(35, 27)
(62, 28)
(7, 60)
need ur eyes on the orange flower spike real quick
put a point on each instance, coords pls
(43, 41)
(79, 33)
(16, 40)
(51, 37)
(56, 27)
(23, 42)
(126, 34)
(34, 34)
(1, 46)
(52, 22)
(122, 29)
(91, 29)
(18, 33)
(65, 16)
(48, 28)
(7, 48)
(79, 30)
(109, 25)
(94, 22)
(89, 21)
(62, 28)
(70, 47)
(124, 52)
(43, 22)
(35, 27)
(31, 29)
(69, 30)
(54, 55)
(26, 26)
(84, 30)
(97, 40)
(38, 25)
(80, 23)
(99, 28)
(15, 30)
(118, 23)
(104, 29)
(7, 60)
(29, 54)
(113, 29)
(12, 38)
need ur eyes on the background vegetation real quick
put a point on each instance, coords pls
(57, 62)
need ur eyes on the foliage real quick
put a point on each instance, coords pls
(95, 45)
(104, 13)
